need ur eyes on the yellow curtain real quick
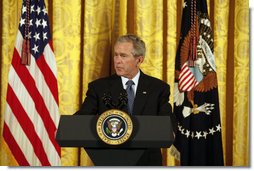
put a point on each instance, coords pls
(84, 31)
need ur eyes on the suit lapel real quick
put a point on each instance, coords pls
(141, 94)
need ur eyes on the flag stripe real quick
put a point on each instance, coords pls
(15, 149)
(41, 108)
(183, 70)
(48, 74)
(27, 126)
(44, 91)
(26, 100)
(50, 57)
(190, 85)
(21, 139)
(187, 80)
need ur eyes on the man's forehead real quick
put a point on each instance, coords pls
(123, 46)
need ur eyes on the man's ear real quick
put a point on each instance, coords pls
(140, 60)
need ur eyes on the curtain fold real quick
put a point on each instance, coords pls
(241, 85)
(83, 34)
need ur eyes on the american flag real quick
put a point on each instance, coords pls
(32, 112)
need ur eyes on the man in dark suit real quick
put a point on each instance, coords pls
(151, 95)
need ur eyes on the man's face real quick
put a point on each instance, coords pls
(125, 63)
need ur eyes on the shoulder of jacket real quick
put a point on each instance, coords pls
(155, 80)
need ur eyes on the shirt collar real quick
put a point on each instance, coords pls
(135, 80)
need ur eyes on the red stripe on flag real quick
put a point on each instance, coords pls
(48, 76)
(187, 80)
(50, 42)
(184, 68)
(40, 106)
(183, 73)
(27, 126)
(187, 76)
(191, 85)
(14, 147)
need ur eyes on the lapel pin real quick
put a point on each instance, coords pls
(144, 92)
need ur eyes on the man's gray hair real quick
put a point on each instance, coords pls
(138, 44)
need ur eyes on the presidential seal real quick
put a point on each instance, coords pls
(114, 127)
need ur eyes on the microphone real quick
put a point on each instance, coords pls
(123, 99)
(107, 100)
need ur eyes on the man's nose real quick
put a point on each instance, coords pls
(117, 58)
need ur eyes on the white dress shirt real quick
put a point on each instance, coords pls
(135, 80)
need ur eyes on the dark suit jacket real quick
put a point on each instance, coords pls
(152, 98)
